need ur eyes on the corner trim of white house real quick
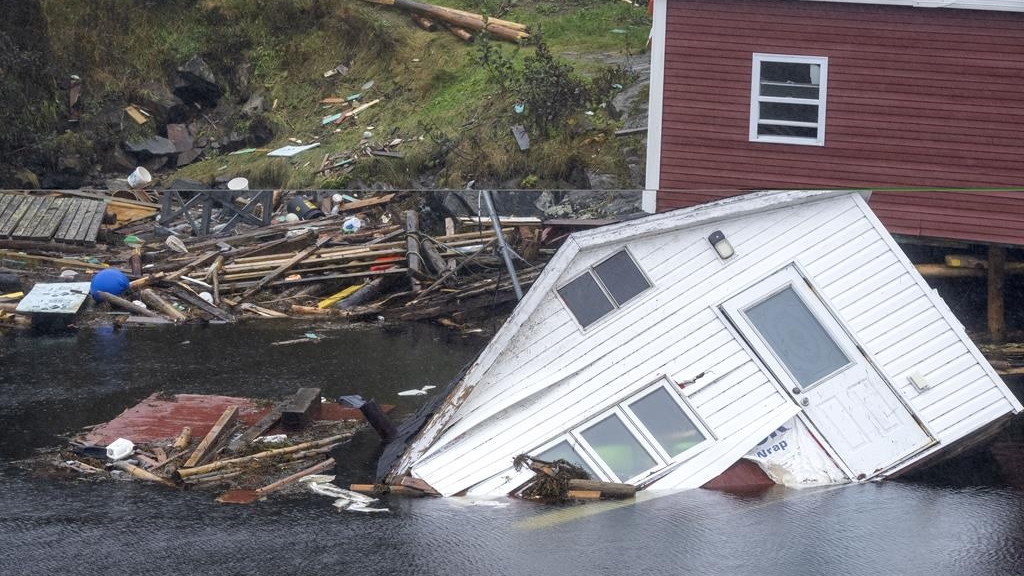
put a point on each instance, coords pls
(655, 100)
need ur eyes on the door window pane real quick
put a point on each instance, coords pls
(585, 299)
(618, 448)
(621, 277)
(665, 420)
(796, 337)
(564, 451)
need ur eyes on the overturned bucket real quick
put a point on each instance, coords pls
(140, 177)
(238, 184)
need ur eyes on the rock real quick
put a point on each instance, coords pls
(196, 84)
(254, 106)
(179, 135)
(233, 141)
(163, 104)
(260, 132)
(118, 160)
(243, 81)
(188, 156)
(26, 179)
(155, 163)
(186, 184)
(154, 146)
(630, 107)
(602, 181)
(71, 164)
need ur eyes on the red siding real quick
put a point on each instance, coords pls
(916, 98)
(991, 216)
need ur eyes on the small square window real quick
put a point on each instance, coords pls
(585, 299)
(564, 451)
(621, 277)
(787, 101)
(607, 286)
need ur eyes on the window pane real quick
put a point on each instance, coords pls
(618, 448)
(585, 299)
(667, 422)
(795, 131)
(789, 90)
(791, 72)
(564, 451)
(789, 112)
(793, 333)
(621, 277)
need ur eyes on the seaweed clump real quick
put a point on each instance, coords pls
(551, 481)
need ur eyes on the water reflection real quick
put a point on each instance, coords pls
(52, 526)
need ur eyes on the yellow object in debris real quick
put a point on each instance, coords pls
(335, 298)
(12, 296)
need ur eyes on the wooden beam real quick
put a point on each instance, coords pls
(219, 431)
(153, 299)
(300, 409)
(412, 247)
(996, 303)
(283, 268)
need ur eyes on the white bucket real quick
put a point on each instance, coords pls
(238, 184)
(140, 177)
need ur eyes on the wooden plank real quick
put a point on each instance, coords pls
(5, 200)
(283, 268)
(32, 218)
(47, 227)
(73, 221)
(219, 431)
(12, 221)
(87, 235)
(300, 409)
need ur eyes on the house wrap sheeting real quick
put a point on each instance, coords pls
(544, 377)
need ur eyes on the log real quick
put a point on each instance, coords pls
(606, 489)
(424, 22)
(218, 264)
(297, 476)
(183, 439)
(380, 422)
(220, 431)
(141, 474)
(996, 303)
(434, 258)
(186, 472)
(474, 22)
(584, 494)
(126, 305)
(366, 293)
(412, 247)
(153, 299)
(461, 33)
(188, 296)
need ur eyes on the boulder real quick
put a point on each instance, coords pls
(180, 136)
(260, 132)
(254, 106)
(153, 146)
(196, 84)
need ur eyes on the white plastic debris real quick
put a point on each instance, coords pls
(345, 499)
(120, 449)
(272, 439)
(416, 392)
(175, 243)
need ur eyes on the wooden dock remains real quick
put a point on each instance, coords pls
(62, 219)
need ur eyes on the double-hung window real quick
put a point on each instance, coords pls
(787, 99)
(635, 438)
(603, 288)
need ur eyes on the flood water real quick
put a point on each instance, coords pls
(50, 387)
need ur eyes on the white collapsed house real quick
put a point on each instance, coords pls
(660, 351)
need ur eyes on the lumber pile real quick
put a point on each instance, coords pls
(344, 258)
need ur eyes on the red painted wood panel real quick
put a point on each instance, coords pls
(995, 216)
(917, 98)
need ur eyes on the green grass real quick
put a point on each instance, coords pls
(430, 84)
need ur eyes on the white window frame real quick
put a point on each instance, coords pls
(640, 432)
(756, 99)
(604, 289)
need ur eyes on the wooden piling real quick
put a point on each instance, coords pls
(413, 248)
(380, 422)
(996, 302)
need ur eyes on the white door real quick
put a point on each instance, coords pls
(852, 407)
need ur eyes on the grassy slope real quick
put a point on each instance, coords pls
(432, 85)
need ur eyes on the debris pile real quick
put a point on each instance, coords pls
(563, 481)
(225, 255)
(254, 448)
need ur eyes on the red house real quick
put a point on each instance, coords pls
(904, 97)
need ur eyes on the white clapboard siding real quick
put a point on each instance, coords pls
(905, 330)
(542, 375)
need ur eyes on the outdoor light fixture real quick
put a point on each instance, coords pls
(721, 245)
